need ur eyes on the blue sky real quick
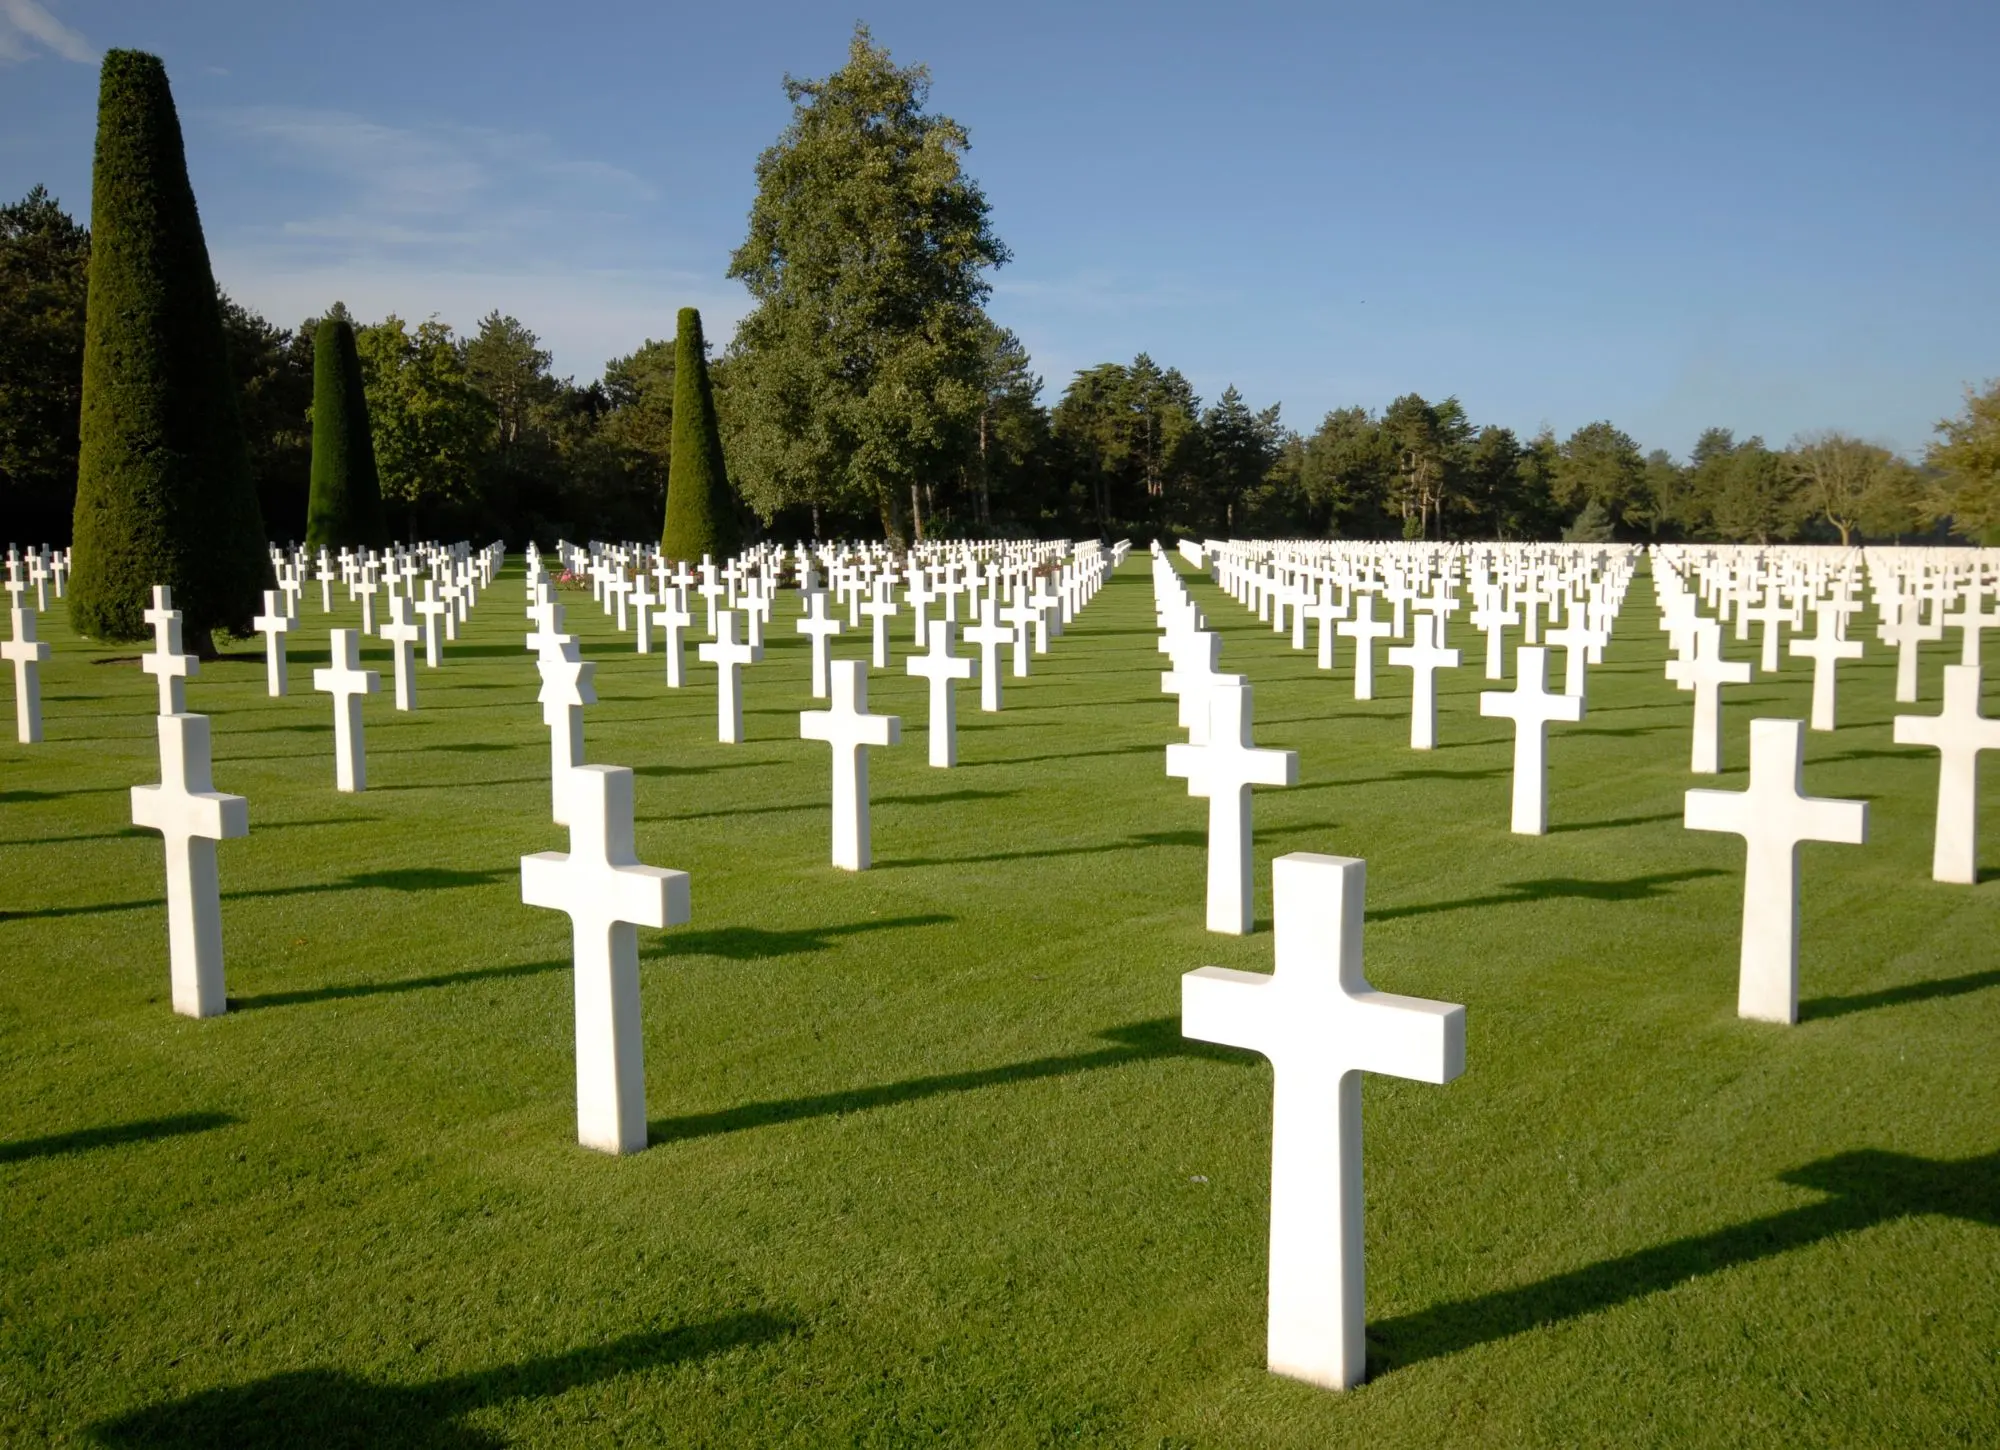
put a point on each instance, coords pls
(1771, 217)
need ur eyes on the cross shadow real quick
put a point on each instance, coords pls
(409, 879)
(1130, 843)
(1623, 732)
(464, 784)
(750, 943)
(1513, 893)
(377, 989)
(1135, 1042)
(674, 770)
(464, 747)
(1865, 1188)
(1619, 824)
(146, 1130)
(307, 1408)
(1068, 755)
(129, 833)
(1819, 1007)
(23, 797)
(944, 796)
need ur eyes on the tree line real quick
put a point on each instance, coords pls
(869, 392)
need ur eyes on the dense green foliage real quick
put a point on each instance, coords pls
(345, 507)
(859, 373)
(44, 268)
(932, 1163)
(701, 510)
(164, 494)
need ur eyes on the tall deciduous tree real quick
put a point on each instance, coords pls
(432, 428)
(1836, 473)
(44, 269)
(1967, 456)
(163, 480)
(701, 514)
(1239, 448)
(345, 508)
(1601, 464)
(858, 372)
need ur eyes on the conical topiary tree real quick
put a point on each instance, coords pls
(164, 493)
(345, 510)
(701, 516)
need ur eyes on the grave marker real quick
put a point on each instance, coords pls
(187, 810)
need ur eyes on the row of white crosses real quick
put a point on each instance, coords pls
(1315, 1016)
(37, 569)
(40, 569)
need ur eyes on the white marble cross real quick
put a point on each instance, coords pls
(1773, 816)
(729, 655)
(1321, 1025)
(1424, 658)
(1021, 615)
(943, 669)
(822, 627)
(1958, 733)
(990, 635)
(1196, 655)
(1905, 631)
(607, 895)
(192, 815)
(1531, 707)
(1825, 649)
(673, 617)
(850, 730)
(402, 631)
(274, 623)
(880, 610)
(1706, 672)
(1574, 640)
(568, 684)
(1326, 614)
(26, 654)
(1492, 618)
(432, 608)
(166, 662)
(643, 600)
(1364, 629)
(1223, 768)
(347, 682)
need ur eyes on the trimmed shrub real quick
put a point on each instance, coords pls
(164, 492)
(345, 510)
(701, 515)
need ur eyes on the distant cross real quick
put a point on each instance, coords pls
(273, 624)
(1531, 707)
(1825, 649)
(1364, 629)
(432, 608)
(1773, 816)
(1958, 733)
(1193, 676)
(850, 730)
(673, 617)
(1021, 615)
(1326, 614)
(1424, 659)
(568, 684)
(920, 595)
(1048, 607)
(26, 653)
(643, 600)
(1905, 631)
(1321, 1025)
(729, 655)
(822, 627)
(402, 631)
(607, 895)
(1530, 596)
(1223, 769)
(166, 662)
(1493, 619)
(880, 609)
(1706, 672)
(943, 669)
(990, 635)
(1574, 640)
(1774, 614)
(618, 589)
(192, 815)
(1972, 620)
(347, 682)
(710, 591)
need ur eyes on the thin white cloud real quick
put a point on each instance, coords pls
(27, 28)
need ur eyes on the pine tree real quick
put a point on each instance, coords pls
(701, 518)
(164, 492)
(345, 510)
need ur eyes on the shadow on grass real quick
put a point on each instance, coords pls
(1136, 1042)
(944, 797)
(1820, 1007)
(750, 943)
(1618, 825)
(410, 879)
(1130, 843)
(1866, 1187)
(1147, 749)
(407, 984)
(1549, 888)
(146, 1130)
(324, 1407)
(23, 797)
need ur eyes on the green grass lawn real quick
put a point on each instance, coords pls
(931, 1162)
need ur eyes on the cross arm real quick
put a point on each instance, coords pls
(1718, 810)
(210, 815)
(1222, 1005)
(1410, 1037)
